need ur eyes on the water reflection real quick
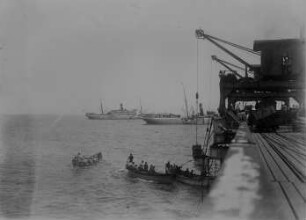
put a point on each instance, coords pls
(17, 166)
(38, 180)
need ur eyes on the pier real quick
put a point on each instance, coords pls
(271, 183)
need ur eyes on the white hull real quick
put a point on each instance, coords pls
(178, 121)
(162, 121)
(93, 116)
(120, 114)
(200, 121)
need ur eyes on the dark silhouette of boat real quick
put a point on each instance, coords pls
(85, 161)
(151, 176)
(195, 180)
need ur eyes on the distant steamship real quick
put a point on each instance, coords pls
(119, 114)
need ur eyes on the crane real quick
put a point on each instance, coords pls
(226, 65)
(201, 35)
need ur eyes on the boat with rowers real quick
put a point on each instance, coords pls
(204, 179)
(172, 173)
(152, 176)
(143, 171)
(85, 161)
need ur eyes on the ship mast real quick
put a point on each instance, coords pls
(101, 106)
(185, 100)
(197, 93)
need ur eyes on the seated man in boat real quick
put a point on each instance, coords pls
(99, 156)
(131, 157)
(131, 165)
(78, 156)
(90, 161)
(203, 173)
(186, 173)
(175, 169)
(130, 161)
(134, 165)
(152, 169)
(191, 173)
(167, 167)
(178, 169)
(141, 166)
(145, 166)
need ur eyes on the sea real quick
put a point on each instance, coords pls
(38, 181)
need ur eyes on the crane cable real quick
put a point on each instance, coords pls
(208, 129)
(210, 83)
(236, 45)
(197, 94)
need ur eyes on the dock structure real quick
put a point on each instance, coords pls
(265, 175)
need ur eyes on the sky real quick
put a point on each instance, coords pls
(64, 56)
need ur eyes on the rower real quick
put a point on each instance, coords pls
(145, 167)
(167, 167)
(78, 157)
(140, 167)
(191, 173)
(131, 158)
(99, 156)
(133, 166)
(186, 172)
(151, 170)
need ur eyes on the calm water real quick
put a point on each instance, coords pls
(38, 181)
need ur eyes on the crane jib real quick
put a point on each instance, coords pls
(201, 35)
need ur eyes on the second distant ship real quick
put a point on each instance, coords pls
(119, 114)
(171, 119)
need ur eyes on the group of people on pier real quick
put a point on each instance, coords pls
(143, 166)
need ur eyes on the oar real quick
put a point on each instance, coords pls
(186, 162)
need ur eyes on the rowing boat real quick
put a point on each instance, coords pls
(84, 161)
(195, 180)
(146, 175)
